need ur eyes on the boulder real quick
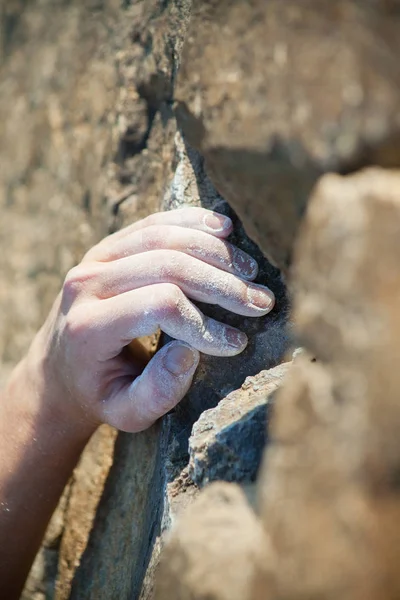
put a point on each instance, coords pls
(329, 486)
(328, 491)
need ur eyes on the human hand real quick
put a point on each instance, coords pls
(127, 286)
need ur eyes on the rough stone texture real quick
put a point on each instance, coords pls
(87, 93)
(84, 493)
(227, 442)
(268, 336)
(84, 123)
(215, 377)
(216, 550)
(116, 557)
(58, 89)
(54, 139)
(329, 494)
(275, 93)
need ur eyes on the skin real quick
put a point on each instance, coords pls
(78, 374)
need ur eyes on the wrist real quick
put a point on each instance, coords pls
(46, 406)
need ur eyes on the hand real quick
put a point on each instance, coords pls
(129, 285)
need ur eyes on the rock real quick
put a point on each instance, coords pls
(216, 549)
(215, 377)
(329, 490)
(88, 94)
(87, 144)
(328, 495)
(268, 336)
(81, 503)
(269, 118)
(124, 541)
(228, 441)
(58, 89)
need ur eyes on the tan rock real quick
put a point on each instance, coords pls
(275, 93)
(215, 550)
(86, 142)
(329, 493)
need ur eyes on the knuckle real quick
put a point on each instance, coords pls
(79, 279)
(95, 251)
(75, 280)
(172, 297)
(152, 219)
(152, 237)
(171, 264)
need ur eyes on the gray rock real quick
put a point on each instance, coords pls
(228, 441)
(269, 336)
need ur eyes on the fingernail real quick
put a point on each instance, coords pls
(261, 298)
(217, 222)
(244, 264)
(179, 359)
(236, 338)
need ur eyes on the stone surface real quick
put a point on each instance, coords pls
(58, 89)
(117, 553)
(228, 441)
(295, 90)
(329, 492)
(268, 336)
(84, 493)
(215, 551)
(86, 129)
(128, 523)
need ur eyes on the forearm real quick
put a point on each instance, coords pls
(38, 451)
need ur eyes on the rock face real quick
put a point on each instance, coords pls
(295, 90)
(58, 90)
(104, 120)
(227, 441)
(329, 493)
(87, 144)
(328, 497)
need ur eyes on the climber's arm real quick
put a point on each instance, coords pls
(39, 448)
(79, 374)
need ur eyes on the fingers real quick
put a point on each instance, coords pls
(197, 279)
(198, 244)
(163, 306)
(163, 383)
(191, 217)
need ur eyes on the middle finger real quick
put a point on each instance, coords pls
(199, 244)
(197, 279)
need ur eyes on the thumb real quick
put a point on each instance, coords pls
(163, 383)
